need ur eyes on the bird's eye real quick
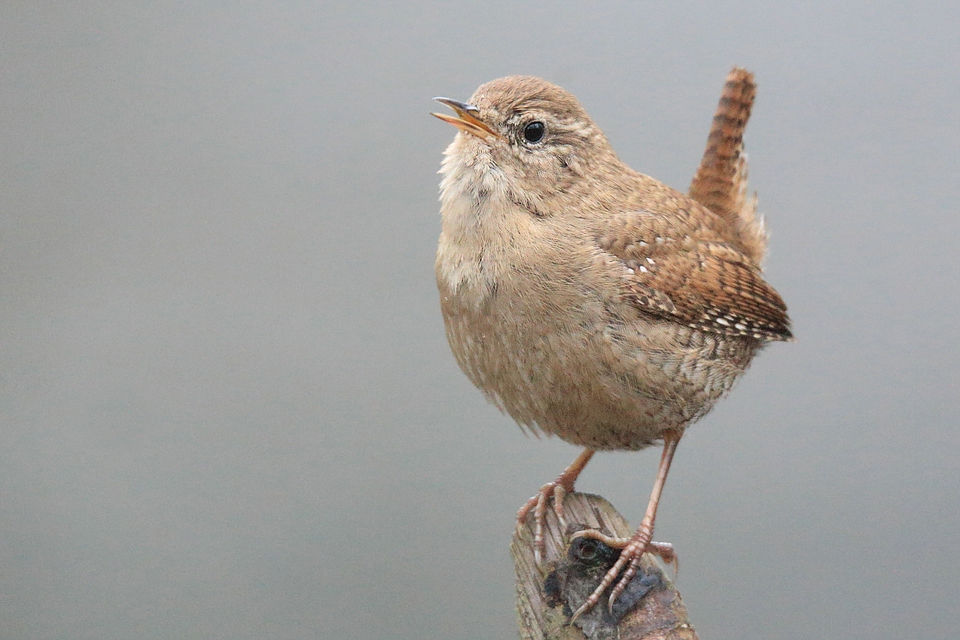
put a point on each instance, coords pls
(533, 132)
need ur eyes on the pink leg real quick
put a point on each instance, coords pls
(558, 489)
(633, 548)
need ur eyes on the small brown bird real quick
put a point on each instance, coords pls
(588, 300)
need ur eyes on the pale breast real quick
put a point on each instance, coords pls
(561, 358)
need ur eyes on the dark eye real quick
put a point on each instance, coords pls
(533, 132)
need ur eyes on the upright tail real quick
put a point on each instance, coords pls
(721, 180)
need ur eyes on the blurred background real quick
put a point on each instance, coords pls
(227, 406)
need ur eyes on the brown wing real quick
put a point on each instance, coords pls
(709, 286)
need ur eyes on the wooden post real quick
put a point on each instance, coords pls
(650, 609)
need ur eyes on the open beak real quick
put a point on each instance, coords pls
(468, 120)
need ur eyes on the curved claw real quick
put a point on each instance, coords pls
(608, 579)
(625, 579)
(628, 562)
(538, 504)
(666, 552)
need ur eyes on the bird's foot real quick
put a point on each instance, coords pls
(558, 489)
(628, 563)
(538, 504)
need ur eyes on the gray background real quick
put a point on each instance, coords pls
(227, 407)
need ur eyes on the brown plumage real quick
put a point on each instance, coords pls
(720, 183)
(588, 300)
